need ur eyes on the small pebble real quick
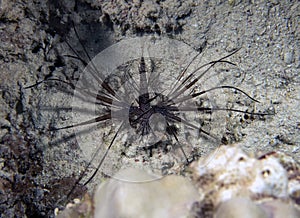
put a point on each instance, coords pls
(240, 207)
(288, 57)
(279, 209)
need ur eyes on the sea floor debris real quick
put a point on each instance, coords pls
(264, 186)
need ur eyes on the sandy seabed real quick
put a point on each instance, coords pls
(38, 166)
